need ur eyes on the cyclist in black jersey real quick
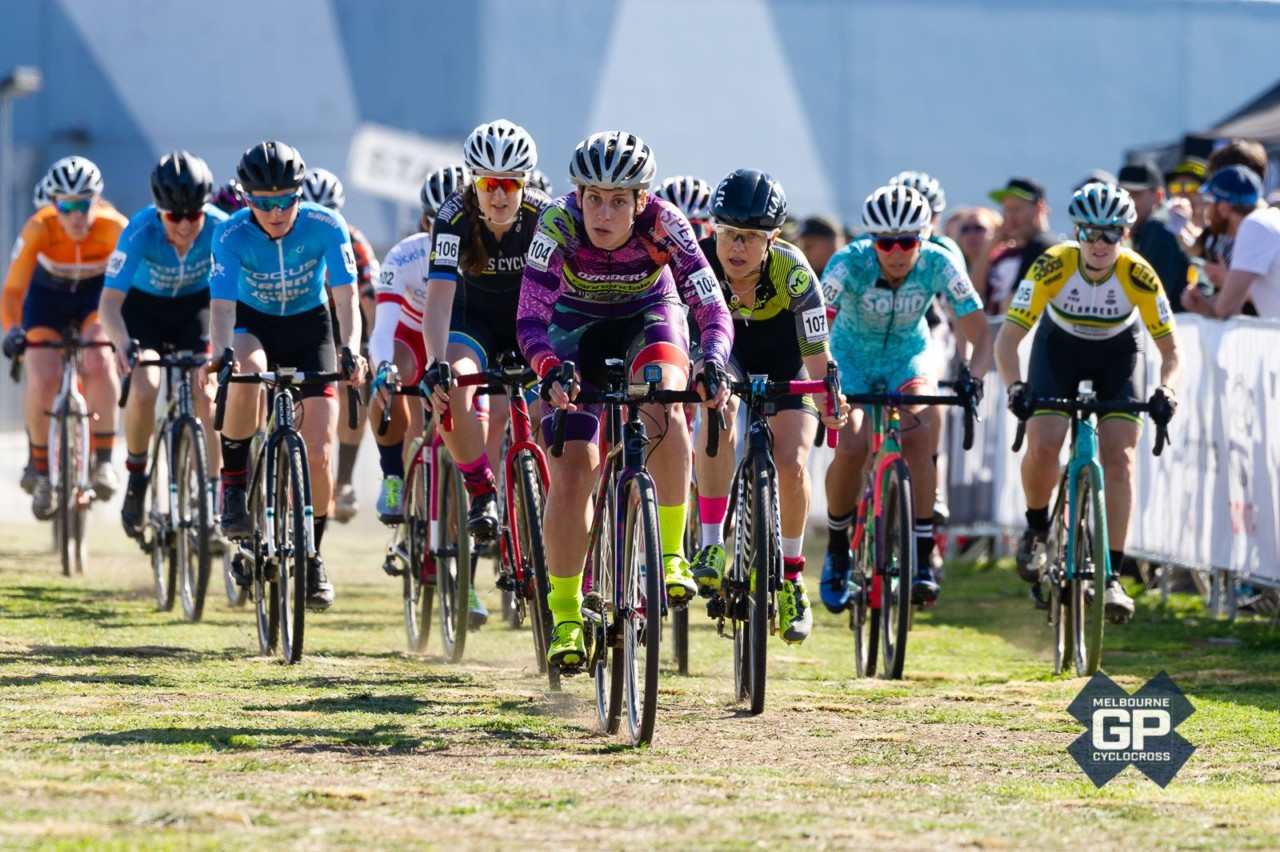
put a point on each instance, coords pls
(779, 330)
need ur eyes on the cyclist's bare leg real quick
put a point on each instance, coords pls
(567, 517)
(317, 422)
(917, 449)
(793, 433)
(203, 401)
(669, 458)
(400, 405)
(1118, 442)
(499, 410)
(43, 368)
(715, 475)
(101, 384)
(844, 475)
(466, 441)
(242, 414)
(139, 412)
(1040, 468)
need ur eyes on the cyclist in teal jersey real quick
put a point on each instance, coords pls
(879, 290)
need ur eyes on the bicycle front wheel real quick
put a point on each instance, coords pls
(895, 562)
(1088, 573)
(418, 575)
(762, 567)
(864, 620)
(266, 603)
(193, 525)
(159, 523)
(641, 608)
(451, 545)
(291, 548)
(533, 555)
(605, 624)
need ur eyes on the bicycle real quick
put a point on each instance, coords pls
(883, 540)
(70, 450)
(179, 517)
(624, 595)
(747, 598)
(1077, 551)
(274, 555)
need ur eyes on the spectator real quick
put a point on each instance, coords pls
(1151, 236)
(1186, 205)
(973, 234)
(1020, 239)
(951, 227)
(1216, 247)
(1234, 207)
(1094, 176)
(819, 238)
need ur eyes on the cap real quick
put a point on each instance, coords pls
(1019, 187)
(819, 226)
(1190, 167)
(1237, 185)
(1140, 176)
(1095, 176)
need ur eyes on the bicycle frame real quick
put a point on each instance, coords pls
(886, 448)
(280, 429)
(1084, 454)
(70, 402)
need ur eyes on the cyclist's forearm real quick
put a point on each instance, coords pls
(222, 325)
(112, 317)
(978, 341)
(1170, 361)
(816, 365)
(344, 302)
(1006, 351)
(435, 318)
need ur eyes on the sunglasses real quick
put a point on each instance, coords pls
(1184, 187)
(175, 216)
(907, 244)
(973, 229)
(493, 184)
(1110, 236)
(282, 202)
(749, 237)
(74, 205)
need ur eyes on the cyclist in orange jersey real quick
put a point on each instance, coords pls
(54, 280)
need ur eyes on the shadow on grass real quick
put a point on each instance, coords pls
(116, 679)
(380, 738)
(389, 704)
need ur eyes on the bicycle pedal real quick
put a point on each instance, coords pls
(570, 669)
(506, 582)
(392, 568)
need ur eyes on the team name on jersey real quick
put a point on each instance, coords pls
(505, 264)
(883, 303)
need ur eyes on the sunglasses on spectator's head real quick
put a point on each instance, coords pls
(1184, 187)
(484, 183)
(1110, 236)
(73, 205)
(176, 216)
(275, 202)
(908, 243)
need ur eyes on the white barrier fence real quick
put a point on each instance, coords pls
(1210, 500)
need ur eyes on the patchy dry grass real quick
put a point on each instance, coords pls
(127, 728)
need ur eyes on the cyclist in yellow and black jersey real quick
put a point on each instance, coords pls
(780, 330)
(1097, 293)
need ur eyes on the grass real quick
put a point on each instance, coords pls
(127, 728)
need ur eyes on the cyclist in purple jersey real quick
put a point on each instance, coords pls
(610, 273)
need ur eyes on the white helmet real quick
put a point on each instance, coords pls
(614, 159)
(323, 187)
(926, 185)
(40, 198)
(691, 194)
(74, 176)
(500, 146)
(1102, 205)
(439, 185)
(540, 182)
(896, 209)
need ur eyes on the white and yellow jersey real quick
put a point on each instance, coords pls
(1087, 309)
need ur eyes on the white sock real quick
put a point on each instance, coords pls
(792, 548)
(712, 534)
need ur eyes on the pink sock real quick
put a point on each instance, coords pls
(477, 475)
(792, 567)
(711, 510)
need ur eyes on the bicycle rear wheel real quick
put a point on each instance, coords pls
(452, 548)
(606, 664)
(895, 562)
(864, 620)
(194, 525)
(1088, 573)
(291, 548)
(159, 523)
(528, 530)
(641, 580)
(419, 594)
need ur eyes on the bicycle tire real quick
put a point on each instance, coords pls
(159, 522)
(895, 562)
(291, 548)
(266, 604)
(680, 617)
(79, 515)
(737, 586)
(529, 504)
(864, 620)
(606, 634)
(452, 548)
(418, 595)
(1088, 573)
(194, 527)
(1057, 587)
(61, 476)
(642, 578)
(765, 556)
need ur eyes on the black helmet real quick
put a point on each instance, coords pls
(271, 166)
(748, 198)
(181, 182)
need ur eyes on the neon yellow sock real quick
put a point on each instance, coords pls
(564, 598)
(671, 520)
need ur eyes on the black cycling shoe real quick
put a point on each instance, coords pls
(1030, 558)
(482, 518)
(924, 589)
(240, 572)
(131, 510)
(235, 521)
(319, 589)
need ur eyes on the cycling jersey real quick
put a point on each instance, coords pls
(570, 284)
(50, 264)
(145, 260)
(1089, 310)
(402, 297)
(286, 276)
(366, 263)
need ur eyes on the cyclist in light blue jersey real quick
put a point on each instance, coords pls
(879, 290)
(157, 293)
(269, 304)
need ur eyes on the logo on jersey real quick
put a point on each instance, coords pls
(884, 303)
(704, 283)
(1144, 278)
(1045, 265)
(677, 227)
(349, 259)
(798, 281)
(116, 262)
(1022, 299)
(540, 251)
(446, 251)
(815, 324)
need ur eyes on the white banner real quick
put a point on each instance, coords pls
(393, 164)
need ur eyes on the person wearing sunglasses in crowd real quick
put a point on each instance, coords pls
(55, 277)
(269, 305)
(397, 338)
(157, 293)
(1099, 295)
(611, 274)
(779, 330)
(692, 195)
(878, 290)
(324, 188)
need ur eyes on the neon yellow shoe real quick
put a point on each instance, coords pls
(708, 567)
(679, 579)
(794, 612)
(568, 647)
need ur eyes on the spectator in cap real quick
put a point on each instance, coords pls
(1151, 236)
(1186, 204)
(1021, 238)
(1215, 247)
(819, 238)
(1094, 176)
(1234, 207)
